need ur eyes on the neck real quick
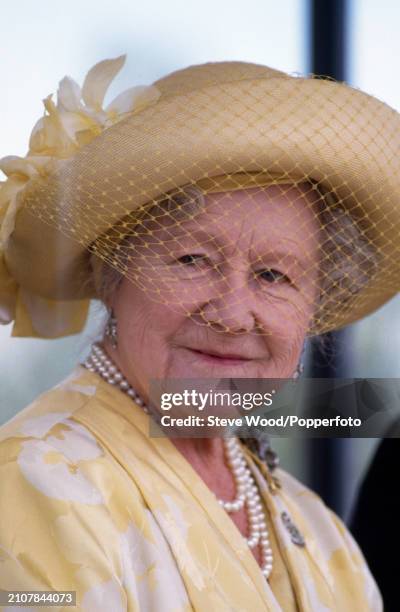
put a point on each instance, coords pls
(207, 456)
(201, 452)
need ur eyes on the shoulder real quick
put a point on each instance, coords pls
(46, 454)
(42, 443)
(49, 458)
(51, 407)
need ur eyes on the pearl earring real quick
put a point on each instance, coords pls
(111, 330)
(298, 371)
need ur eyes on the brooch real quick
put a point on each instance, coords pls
(295, 534)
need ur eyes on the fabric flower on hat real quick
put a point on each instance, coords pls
(69, 123)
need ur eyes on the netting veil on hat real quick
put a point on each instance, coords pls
(221, 187)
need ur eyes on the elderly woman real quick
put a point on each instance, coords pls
(222, 216)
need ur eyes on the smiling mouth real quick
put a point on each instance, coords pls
(227, 359)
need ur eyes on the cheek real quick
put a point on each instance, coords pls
(287, 346)
(284, 331)
(285, 319)
(145, 325)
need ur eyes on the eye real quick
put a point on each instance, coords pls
(191, 259)
(273, 276)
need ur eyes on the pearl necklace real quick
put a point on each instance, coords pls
(99, 362)
(247, 493)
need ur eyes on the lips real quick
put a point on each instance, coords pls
(212, 355)
(221, 356)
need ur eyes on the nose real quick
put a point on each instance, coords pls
(232, 309)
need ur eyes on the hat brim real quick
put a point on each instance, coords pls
(346, 140)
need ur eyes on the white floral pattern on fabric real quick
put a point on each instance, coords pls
(77, 443)
(60, 480)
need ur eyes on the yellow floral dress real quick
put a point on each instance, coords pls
(90, 502)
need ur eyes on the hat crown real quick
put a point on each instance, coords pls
(213, 73)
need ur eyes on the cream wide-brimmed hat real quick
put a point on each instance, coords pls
(88, 168)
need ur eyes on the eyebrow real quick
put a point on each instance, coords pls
(300, 259)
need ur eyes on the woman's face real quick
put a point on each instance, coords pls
(229, 293)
